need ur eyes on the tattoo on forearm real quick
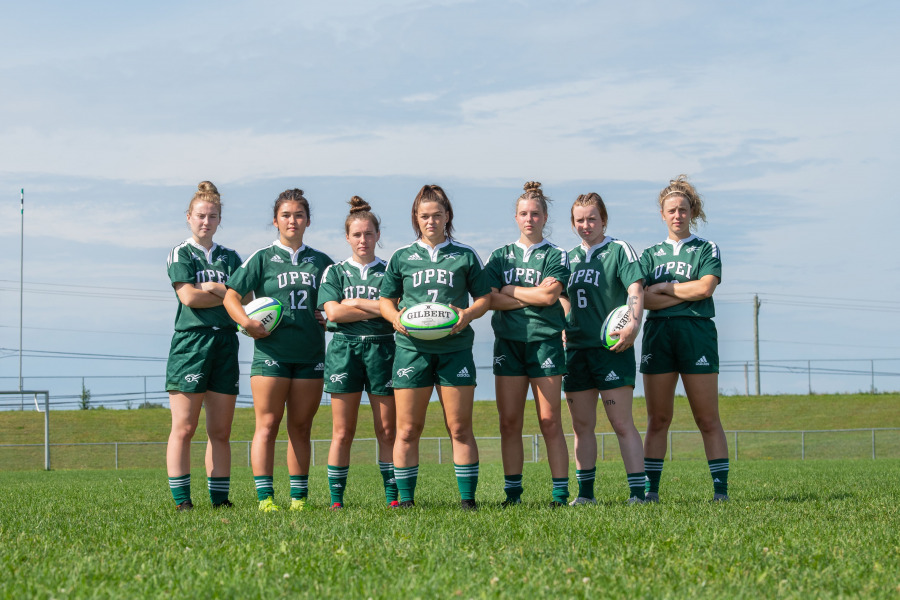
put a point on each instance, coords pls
(635, 315)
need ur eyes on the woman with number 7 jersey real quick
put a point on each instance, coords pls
(435, 268)
(288, 363)
(606, 274)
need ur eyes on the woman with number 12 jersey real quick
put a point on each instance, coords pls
(288, 363)
(436, 268)
(606, 274)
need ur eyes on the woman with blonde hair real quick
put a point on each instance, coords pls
(202, 369)
(680, 338)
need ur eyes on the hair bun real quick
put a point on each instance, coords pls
(533, 186)
(207, 187)
(357, 204)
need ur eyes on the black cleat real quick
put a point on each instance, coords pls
(555, 504)
(507, 503)
(406, 504)
(223, 504)
(468, 505)
(186, 505)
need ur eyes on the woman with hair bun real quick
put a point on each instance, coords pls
(526, 279)
(680, 338)
(361, 352)
(606, 274)
(202, 369)
(435, 268)
(288, 362)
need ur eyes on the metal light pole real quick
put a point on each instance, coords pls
(21, 287)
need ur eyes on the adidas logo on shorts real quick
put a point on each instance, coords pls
(548, 364)
(702, 362)
(320, 367)
(612, 376)
(464, 372)
(390, 383)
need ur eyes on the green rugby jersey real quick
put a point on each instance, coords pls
(687, 260)
(448, 273)
(189, 262)
(599, 283)
(293, 279)
(349, 279)
(527, 266)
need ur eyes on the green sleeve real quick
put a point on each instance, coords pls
(331, 289)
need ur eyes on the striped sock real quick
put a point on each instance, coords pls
(264, 487)
(181, 488)
(466, 480)
(718, 468)
(218, 489)
(653, 467)
(406, 482)
(337, 482)
(636, 484)
(560, 489)
(585, 479)
(390, 484)
(512, 485)
(299, 487)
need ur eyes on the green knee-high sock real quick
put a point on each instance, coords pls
(512, 485)
(585, 478)
(390, 483)
(406, 482)
(337, 483)
(299, 486)
(653, 467)
(181, 488)
(636, 484)
(265, 488)
(218, 489)
(560, 489)
(718, 468)
(466, 480)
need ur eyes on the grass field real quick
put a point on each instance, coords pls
(793, 529)
(738, 413)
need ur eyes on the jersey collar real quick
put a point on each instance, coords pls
(207, 253)
(589, 250)
(527, 250)
(433, 252)
(287, 249)
(677, 245)
(363, 269)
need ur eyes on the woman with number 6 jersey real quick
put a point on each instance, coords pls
(361, 352)
(436, 268)
(606, 274)
(203, 360)
(288, 362)
(526, 279)
(680, 338)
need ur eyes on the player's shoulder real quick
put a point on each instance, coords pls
(709, 245)
(503, 252)
(230, 252)
(181, 252)
(263, 254)
(658, 249)
(318, 255)
(401, 252)
(623, 247)
(455, 246)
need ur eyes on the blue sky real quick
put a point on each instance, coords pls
(784, 115)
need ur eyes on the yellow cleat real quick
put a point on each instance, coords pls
(268, 505)
(298, 504)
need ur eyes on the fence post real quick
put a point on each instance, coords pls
(809, 376)
(248, 453)
(802, 445)
(872, 363)
(439, 451)
(873, 444)
(670, 446)
(602, 447)
(117, 456)
(312, 445)
(735, 447)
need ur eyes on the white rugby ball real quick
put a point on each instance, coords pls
(267, 311)
(429, 320)
(615, 321)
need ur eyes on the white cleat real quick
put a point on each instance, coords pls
(582, 500)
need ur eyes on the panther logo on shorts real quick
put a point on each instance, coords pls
(405, 372)
(498, 360)
(193, 377)
(338, 377)
(271, 363)
(645, 359)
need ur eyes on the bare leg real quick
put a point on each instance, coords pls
(659, 390)
(703, 395)
(511, 392)
(617, 403)
(384, 414)
(269, 395)
(302, 404)
(411, 407)
(219, 416)
(185, 416)
(583, 408)
(548, 400)
(458, 404)
(344, 415)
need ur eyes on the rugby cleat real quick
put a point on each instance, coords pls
(468, 505)
(298, 504)
(557, 504)
(636, 500)
(720, 498)
(268, 505)
(651, 498)
(337, 506)
(582, 500)
(223, 504)
(186, 505)
(406, 504)
(509, 502)
(394, 504)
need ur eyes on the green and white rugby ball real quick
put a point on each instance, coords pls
(429, 320)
